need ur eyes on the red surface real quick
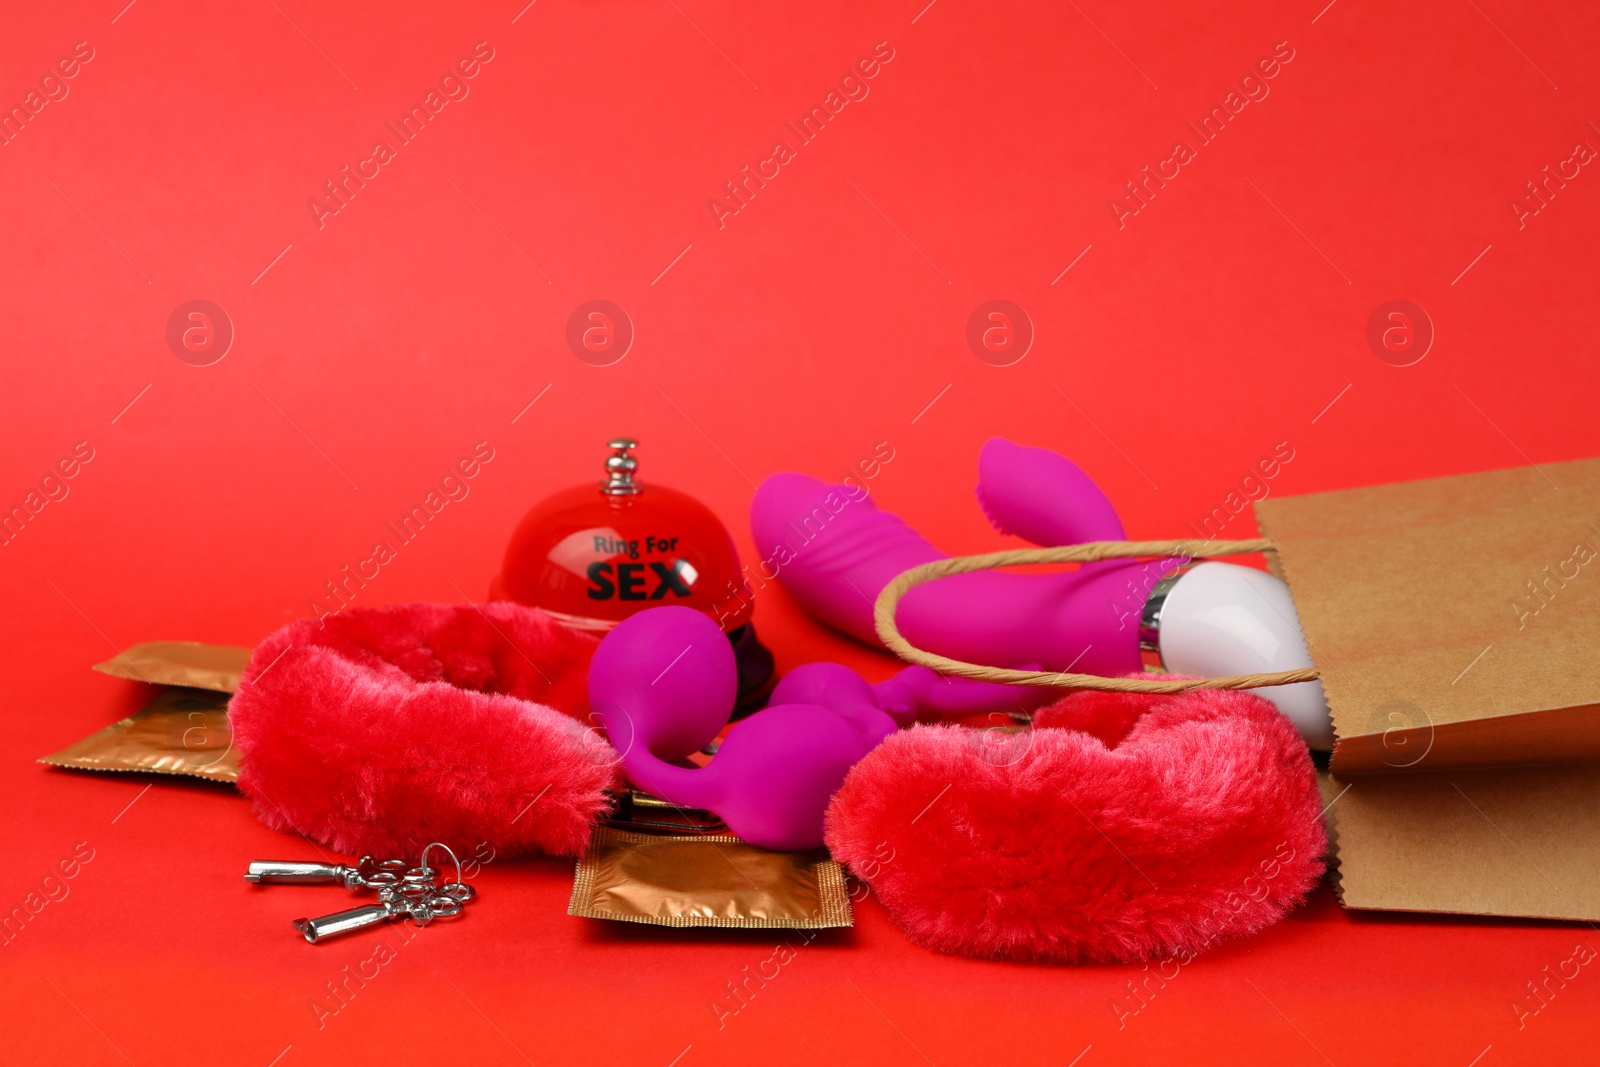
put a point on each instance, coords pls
(824, 317)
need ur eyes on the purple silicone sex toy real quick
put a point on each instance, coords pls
(662, 683)
(834, 551)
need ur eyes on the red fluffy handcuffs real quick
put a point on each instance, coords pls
(1121, 827)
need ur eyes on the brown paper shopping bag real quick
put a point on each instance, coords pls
(1455, 623)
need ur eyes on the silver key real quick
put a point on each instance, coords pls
(366, 874)
(392, 905)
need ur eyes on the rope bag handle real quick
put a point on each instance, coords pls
(1088, 552)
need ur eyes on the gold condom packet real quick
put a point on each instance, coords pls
(186, 663)
(183, 731)
(707, 880)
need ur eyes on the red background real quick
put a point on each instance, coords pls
(1226, 316)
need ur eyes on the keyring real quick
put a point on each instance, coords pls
(453, 856)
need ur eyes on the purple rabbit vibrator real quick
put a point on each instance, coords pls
(838, 550)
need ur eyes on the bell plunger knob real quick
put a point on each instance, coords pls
(620, 467)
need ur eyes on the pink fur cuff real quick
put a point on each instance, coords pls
(378, 730)
(1119, 828)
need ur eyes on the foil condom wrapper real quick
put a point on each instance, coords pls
(707, 880)
(183, 732)
(185, 663)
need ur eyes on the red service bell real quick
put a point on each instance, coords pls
(592, 555)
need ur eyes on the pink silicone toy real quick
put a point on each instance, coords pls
(663, 682)
(834, 550)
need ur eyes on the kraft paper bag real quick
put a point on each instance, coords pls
(1520, 841)
(1455, 623)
